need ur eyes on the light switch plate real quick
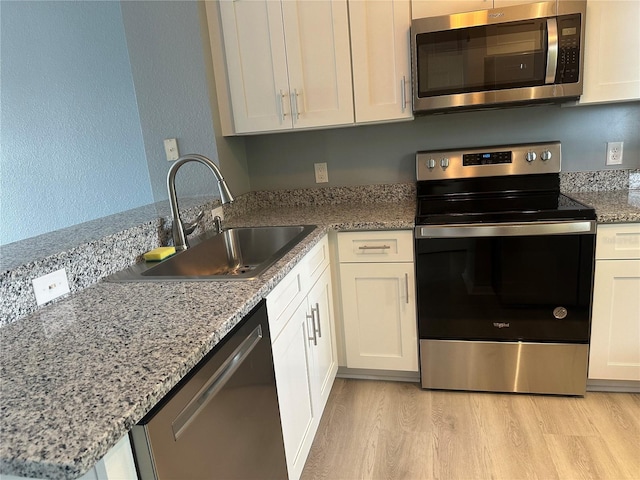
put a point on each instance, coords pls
(171, 149)
(50, 286)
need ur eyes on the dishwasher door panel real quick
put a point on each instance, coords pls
(223, 421)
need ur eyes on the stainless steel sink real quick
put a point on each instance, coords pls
(234, 254)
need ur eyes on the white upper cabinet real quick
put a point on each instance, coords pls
(381, 59)
(317, 39)
(433, 8)
(256, 64)
(612, 52)
(288, 63)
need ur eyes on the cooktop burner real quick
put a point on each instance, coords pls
(518, 183)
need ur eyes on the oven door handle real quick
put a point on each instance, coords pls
(505, 229)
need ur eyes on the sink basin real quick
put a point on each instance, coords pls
(234, 254)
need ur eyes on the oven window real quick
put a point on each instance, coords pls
(505, 288)
(474, 59)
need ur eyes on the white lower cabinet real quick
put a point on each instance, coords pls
(378, 300)
(615, 328)
(304, 351)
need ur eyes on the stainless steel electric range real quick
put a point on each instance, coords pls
(504, 271)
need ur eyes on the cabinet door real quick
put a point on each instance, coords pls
(254, 46)
(319, 62)
(612, 50)
(323, 347)
(615, 330)
(292, 365)
(433, 8)
(380, 55)
(379, 314)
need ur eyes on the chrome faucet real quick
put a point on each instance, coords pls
(179, 237)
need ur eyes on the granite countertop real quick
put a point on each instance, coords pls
(616, 206)
(78, 374)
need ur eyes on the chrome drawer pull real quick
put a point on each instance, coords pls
(406, 281)
(312, 317)
(374, 247)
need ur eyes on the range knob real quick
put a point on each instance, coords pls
(431, 163)
(444, 162)
(530, 156)
(546, 155)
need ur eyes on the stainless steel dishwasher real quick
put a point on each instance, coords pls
(223, 420)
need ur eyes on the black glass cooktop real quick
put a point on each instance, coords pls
(516, 199)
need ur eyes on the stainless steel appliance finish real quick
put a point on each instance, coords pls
(504, 271)
(179, 230)
(223, 420)
(521, 54)
(554, 368)
(233, 254)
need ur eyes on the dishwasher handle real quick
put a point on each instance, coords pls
(217, 381)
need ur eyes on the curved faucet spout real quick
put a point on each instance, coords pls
(179, 237)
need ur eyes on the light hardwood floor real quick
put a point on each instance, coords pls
(393, 430)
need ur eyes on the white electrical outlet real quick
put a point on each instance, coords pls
(171, 149)
(322, 173)
(50, 286)
(614, 153)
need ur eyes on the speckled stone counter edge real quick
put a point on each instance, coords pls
(95, 249)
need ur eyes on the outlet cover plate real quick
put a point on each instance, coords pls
(614, 153)
(50, 286)
(322, 173)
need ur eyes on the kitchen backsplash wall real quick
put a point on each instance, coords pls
(386, 153)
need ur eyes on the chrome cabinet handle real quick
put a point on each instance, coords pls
(406, 282)
(375, 247)
(313, 328)
(316, 311)
(294, 101)
(552, 52)
(403, 92)
(282, 112)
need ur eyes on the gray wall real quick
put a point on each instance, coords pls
(385, 153)
(168, 65)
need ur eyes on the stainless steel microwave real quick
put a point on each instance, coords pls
(531, 53)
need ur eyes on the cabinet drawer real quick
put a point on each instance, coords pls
(315, 262)
(379, 246)
(283, 300)
(618, 241)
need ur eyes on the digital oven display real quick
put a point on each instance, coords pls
(489, 158)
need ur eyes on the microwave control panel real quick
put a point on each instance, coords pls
(568, 49)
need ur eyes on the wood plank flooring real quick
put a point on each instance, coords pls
(392, 430)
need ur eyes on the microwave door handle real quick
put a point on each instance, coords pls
(552, 51)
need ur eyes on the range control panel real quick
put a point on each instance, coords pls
(520, 159)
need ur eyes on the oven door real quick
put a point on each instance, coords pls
(505, 282)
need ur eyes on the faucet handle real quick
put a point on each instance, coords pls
(191, 226)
